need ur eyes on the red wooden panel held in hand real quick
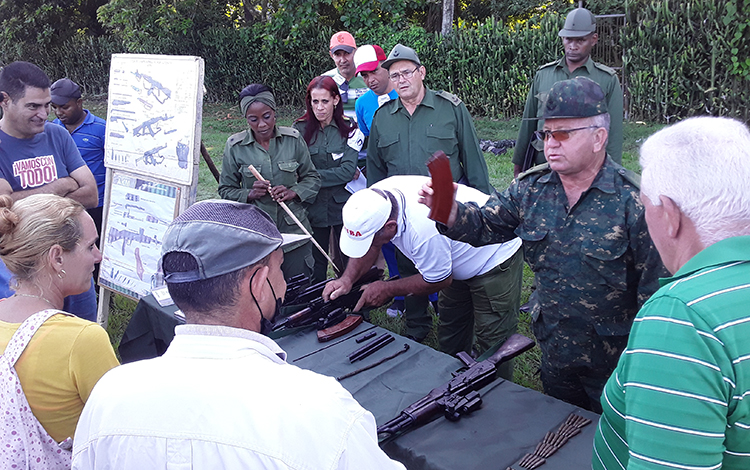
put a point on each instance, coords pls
(442, 186)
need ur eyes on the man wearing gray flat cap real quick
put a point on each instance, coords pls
(223, 395)
(584, 237)
(578, 37)
(405, 132)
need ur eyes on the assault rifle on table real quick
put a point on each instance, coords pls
(307, 294)
(326, 315)
(460, 395)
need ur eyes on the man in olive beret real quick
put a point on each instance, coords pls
(584, 236)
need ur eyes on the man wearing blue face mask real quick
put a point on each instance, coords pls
(205, 402)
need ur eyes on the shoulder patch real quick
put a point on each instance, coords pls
(548, 64)
(290, 131)
(630, 176)
(533, 170)
(449, 96)
(604, 68)
(236, 138)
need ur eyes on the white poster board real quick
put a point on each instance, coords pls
(152, 154)
(152, 114)
(140, 210)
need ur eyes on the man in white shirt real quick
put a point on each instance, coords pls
(479, 288)
(223, 395)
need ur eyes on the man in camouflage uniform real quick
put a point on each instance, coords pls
(404, 134)
(578, 37)
(584, 236)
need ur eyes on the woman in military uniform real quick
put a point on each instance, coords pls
(334, 142)
(281, 156)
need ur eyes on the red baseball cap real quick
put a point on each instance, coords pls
(342, 41)
(368, 58)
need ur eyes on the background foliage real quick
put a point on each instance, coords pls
(680, 58)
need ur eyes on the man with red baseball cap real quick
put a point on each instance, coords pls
(351, 87)
(367, 59)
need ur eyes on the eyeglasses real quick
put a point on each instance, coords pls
(560, 135)
(407, 74)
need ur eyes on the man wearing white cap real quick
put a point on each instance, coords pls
(479, 287)
(367, 59)
(351, 87)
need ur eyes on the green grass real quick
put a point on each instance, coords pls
(221, 120)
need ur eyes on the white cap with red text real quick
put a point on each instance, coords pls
(364, 214)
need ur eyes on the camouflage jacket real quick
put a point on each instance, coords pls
(595, 263)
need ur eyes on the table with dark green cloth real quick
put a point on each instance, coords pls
(510, 423)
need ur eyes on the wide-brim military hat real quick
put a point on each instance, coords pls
(401, 52)
(579, 23)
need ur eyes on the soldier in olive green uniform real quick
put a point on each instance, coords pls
(281, 156)
(405, 132)
(334, 151)
(579, 36)
(584, 236)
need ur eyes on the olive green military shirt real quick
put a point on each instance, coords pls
(286, 162)
(401, 143)
(594, 262)
(335, 159)
(556, 71)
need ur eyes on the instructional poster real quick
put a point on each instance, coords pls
(139, 212)
(152, 115)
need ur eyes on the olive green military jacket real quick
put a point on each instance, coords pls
(286, 162)
(553, 72)
(401, 144)
(336, 161)
(595, 263)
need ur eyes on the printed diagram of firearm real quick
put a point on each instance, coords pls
(129, 236)
(152, 157)
(121, 120)
(153, 87)
(150, 127)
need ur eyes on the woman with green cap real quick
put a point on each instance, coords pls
(281, 156)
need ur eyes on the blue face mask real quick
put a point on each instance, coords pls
(266, 325)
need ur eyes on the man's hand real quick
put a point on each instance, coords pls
(426, 198)
(375, 294)
(336, 288)
(260, 189)
(280, 193)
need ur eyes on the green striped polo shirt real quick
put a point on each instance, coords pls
(680, 396)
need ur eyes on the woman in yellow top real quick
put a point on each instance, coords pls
(49, 244)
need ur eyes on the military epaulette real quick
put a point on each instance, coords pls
(604, 68)
(554, 62)
(290, 131)
(449, 96)
(631, 176)
(347, 118)
(236, 138)
(534, 169)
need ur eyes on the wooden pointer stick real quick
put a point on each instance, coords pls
(296, 221)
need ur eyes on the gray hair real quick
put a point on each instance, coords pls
(703, 165)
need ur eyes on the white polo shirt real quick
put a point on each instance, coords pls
(434, 255)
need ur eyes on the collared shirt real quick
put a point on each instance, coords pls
(680, 396)
(368, 104)
(223, 397)
(435, 256)
(556, 71)
(401, 143)
(89, 138)
(594, 262)
(286, 162)
(335, 159)
(351, 89)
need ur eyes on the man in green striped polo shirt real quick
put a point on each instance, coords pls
(680, 395)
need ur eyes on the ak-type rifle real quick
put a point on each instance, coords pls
(460, 395)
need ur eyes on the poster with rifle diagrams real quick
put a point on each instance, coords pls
(152, 115)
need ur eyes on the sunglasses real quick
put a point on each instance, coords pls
(559, 135)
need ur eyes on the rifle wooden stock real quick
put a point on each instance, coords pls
(461, 394)
(442, 187)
